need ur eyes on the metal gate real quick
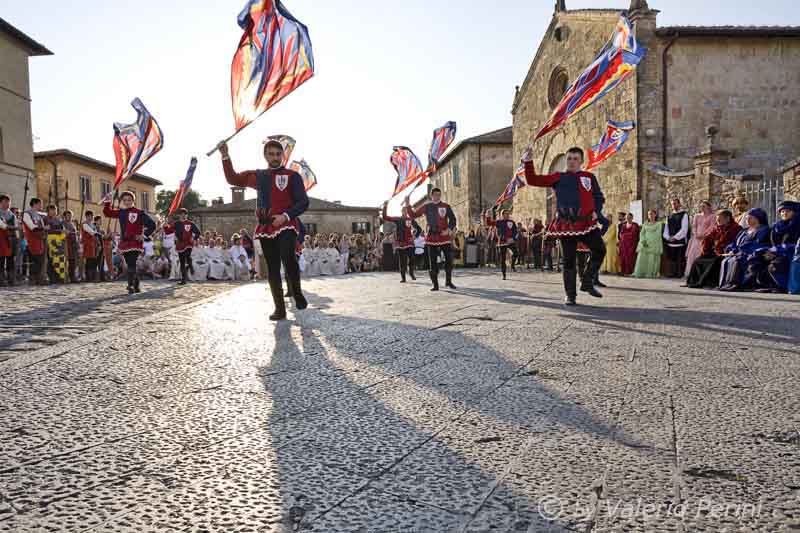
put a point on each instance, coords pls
(766, 194)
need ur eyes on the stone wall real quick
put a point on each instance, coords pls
(582, 34)
(791, 180)
(16, 138)
(748, 88)
(230, 221)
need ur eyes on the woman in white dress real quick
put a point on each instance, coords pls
(313, 260)
(241, 265)
(200, 261)
(216, 262)
(330, 260)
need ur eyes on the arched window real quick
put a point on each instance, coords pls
(559, 83)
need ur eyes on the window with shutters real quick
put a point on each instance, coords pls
(86, 189)
(361, 227)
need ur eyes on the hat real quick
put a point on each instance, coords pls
(791, 206)
(759, 214)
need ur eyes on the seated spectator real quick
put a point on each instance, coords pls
(239, 258)
(794, 271)
(200, 261)
(755, 237)
(768, 269)
(161, 267)
(705, 270)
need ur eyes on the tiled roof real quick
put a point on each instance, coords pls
(86, 159)
(35, 48)
(729, 31)
(501, 136)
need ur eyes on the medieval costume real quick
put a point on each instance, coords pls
(537, 240)
(705, 269)
(186, 233)
(8, 247)
(794, 271)
(649, 250)
(628, 244)
(281, 199)
(134, 226)
(579, 201)
(611, 262)
(441, 222)
(73, 249)
(241, 264)
(676, 240)
(740, 252)
(507, 234)
(406, 229)
(768, 269)
(702, 224)
(200, 264)
(216, 262)
(35, 236)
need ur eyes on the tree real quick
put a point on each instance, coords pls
(191, 200)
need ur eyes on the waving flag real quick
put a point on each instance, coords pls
(408, 167)
(273, 59)
(288, 144)
(614, 138)
(302, 168)
(516, 183)
(442, 139)
(135, 144)
(186, 184)
(616, 61)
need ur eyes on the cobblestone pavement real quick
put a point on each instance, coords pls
(35, 317)
(387, 408)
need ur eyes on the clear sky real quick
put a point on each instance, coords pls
(388, 73)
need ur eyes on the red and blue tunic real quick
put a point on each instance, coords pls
(440, 219)
(8, 223)
(280, 192)
(507, 232)
(579, 201)
(89, 241)
(134, 225)
(406, 231)
(186, 232)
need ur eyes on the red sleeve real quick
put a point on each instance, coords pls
(536, 180)
(709, 240)
(238, 179)
(109, 212)
(415, 213)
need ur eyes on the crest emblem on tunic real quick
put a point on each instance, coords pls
(187, 227)
(408, 223)
(586, 182)
(442, 211)
(510, 224)
(133, 217)
(281, 181)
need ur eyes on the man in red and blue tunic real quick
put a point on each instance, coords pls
(406, 230)
(282, 199)
(579, 203)
(507, 235)
(186, 233)
(439, 238)
(134, 226)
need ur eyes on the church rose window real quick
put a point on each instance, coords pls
(559, 82)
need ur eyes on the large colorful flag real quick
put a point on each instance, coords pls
(442, 139)
(135, 144)
(408, 167)
(288, 144)
(273, 59)
(516, 183)
(616, 61)
(185, 185)
(302, 168)
(614, 138)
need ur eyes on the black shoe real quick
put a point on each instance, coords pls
(287, 295)
(300, 301)
(570, 300)
(403, 280)
(413, 277)
(451, 286)
(434, 289)
(504, 278)
(591, 291)
(600, 284)
(277, 316)
(131, 290)
(182, 282)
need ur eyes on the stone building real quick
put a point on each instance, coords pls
(741, 82)
(64, 178)
(322, 216)
(791, 180)
(474, 173)
(16, 137)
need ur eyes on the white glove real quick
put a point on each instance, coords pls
(527, 155)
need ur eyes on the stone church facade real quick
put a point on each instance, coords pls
(715, 107)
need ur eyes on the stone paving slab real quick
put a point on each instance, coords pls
(387, 408)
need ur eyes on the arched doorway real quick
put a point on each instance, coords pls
(559, 164)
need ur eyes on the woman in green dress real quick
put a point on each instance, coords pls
(651, 246)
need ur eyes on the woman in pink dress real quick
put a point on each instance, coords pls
(628, 242)
(703, 222)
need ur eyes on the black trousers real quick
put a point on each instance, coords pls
(101, 264)
(433, 260)
(130, 263)
(676, 256)
(502, 251)
(405, 258)
(7, 265)
(536, 246)
(37, 262)
(281, 250)
(185, 258)
(704, 272)
(91, 268)
(569, 248)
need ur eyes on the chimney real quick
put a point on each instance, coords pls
(237, 195)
